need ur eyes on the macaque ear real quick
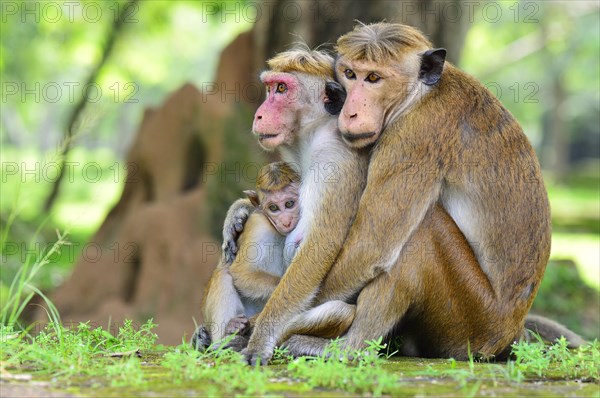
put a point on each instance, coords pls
(335, 95)
(432, 65)
(253, 196)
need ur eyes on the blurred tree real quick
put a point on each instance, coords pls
(77, 110)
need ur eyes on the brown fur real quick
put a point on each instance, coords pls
(302, 60)
(437, 152)
(380, 42)
(418, 274)
(275, 177)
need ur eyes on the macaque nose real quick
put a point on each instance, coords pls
(287, 223)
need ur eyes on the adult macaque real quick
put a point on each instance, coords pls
(438, 137)
(297, 119)
(304, 97)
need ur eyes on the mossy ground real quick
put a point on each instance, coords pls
(412, 377)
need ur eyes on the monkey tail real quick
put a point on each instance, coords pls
(550, 330)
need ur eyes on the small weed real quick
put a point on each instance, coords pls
(126, 373)
(356, 372)
(222, 370)
(558, 360)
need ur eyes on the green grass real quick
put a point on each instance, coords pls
(64, 353)
(91, 361)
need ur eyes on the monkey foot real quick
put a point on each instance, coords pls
(201, 339)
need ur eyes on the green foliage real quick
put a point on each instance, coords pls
(126, 373)
(22, 289)
(81, 350)
(564, 297)
(521, 56)
(558, 360)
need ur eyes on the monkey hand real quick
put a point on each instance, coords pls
(240, 324)
(233, 226)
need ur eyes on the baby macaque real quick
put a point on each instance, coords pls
(235, 294)
(240, 291)
(276, 196)
(263, 258)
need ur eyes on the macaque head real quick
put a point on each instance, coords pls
(276, 196)
(295, 86)
(385, 69)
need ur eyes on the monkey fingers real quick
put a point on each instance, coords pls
(240, 325)
(255, 358)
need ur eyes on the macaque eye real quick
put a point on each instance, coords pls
(281, 88)
(373, 78)
(289, 204)
(349, 73)
(273, 208)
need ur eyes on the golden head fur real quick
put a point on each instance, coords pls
(381, 41)
(276, 176)
(304, 60)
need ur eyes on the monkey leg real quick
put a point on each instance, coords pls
(313, 329)
(300, 345)
(329, 320)
(452, 304)
(379, 307)
(221, 304)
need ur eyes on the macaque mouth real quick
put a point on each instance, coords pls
(356, 137)
(262, 137)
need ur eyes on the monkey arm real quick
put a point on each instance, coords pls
(329, 221)
(253, 283)
(236, 217)
(387, 217)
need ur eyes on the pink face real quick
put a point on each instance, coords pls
(276, 120)
(282, 208)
